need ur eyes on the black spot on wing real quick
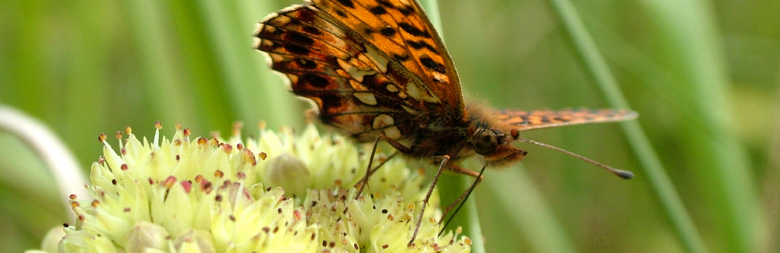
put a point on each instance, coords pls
(401, 57)
(378, 10)
(433, 65)
(306, 64)
(330, 103)
(387, 31)
(311, 30)
(313, 80)
(299, 38)
(386, 3)
(295, 49)
(421, 44)
(406, 10)
(413, 30)
(347, 3)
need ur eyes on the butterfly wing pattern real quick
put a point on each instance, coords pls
(527, 120)
(370, 67)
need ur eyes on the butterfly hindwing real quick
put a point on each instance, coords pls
(526, 120)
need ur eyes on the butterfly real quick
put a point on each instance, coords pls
(377, 70)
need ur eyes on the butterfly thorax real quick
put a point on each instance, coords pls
(435, 139)
(478, 133)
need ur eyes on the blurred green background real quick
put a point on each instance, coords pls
(702, 74)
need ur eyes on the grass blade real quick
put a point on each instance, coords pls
(659, 180)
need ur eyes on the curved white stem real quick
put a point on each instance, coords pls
(61, 162)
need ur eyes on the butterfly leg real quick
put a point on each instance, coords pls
(364, 182)
(444, 160)
(387, 159)
(463, 197)
(467, 172)
(369, 171)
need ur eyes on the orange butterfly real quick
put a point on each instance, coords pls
(376, 69)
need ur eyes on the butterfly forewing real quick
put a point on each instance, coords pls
(369, 66)
(401, 30)
(527, 120)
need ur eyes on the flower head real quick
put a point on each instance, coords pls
(276, 193)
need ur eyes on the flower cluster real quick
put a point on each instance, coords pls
(214, 195)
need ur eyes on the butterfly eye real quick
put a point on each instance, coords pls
(484, 142)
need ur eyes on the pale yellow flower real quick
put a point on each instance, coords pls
(276, 193)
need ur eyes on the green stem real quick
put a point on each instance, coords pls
(659, 180)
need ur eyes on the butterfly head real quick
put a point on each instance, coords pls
(495, 147)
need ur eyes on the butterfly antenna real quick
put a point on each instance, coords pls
(620, 173)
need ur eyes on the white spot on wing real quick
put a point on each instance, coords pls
(419, 92)
(377, 58)
(353, 71)
(382, 121)
(357, 86)
(391, 88)
(366, 98)
(410, 110)
(393, 133)
(411, 89)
